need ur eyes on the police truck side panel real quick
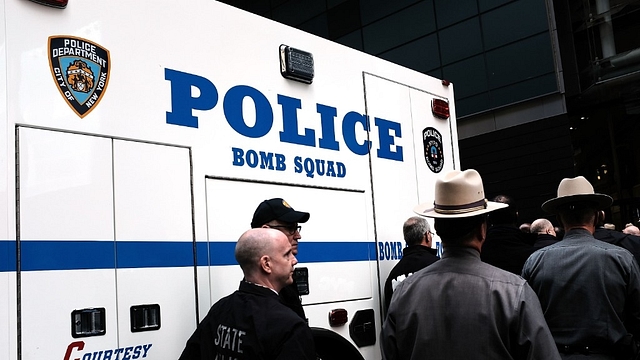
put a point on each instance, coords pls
(141, 136)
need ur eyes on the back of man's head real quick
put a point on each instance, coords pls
(458, 231)
(505, 216)
(252, 245)
(542, 226)
(631, 229)
(578, 214)
(415, 230)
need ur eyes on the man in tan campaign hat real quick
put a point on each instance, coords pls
(590, 289)
(460, 307)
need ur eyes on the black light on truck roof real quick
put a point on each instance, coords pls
(296, 64)
(60, 4)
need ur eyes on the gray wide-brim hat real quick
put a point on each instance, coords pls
(576, 190)
(458, 194)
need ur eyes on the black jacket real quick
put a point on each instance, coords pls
(627, 241)
(251, 323)
(544, 240)
(507, 247)
(291, 298)
(414, 258)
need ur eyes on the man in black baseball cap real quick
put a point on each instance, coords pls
(277, 214)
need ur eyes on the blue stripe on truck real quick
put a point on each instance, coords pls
(308, 252)
(83, 255)
(7, 256)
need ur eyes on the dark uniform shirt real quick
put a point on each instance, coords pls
(251, 323)
(460, 308)
(589, 290)
(414, 258)
(507, 247)
(627, 241)
(544, 240)
(290, 296)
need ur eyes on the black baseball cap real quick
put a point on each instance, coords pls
(277, 209)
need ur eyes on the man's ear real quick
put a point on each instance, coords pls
(427, 238)
(482, 231)
(265, 264)
(599, 218)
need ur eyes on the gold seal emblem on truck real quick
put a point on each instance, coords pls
(80, 69)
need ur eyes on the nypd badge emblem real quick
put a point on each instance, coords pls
(433, 154)
(80, 69)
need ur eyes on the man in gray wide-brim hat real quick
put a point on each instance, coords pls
(590, 289)
(460, 307)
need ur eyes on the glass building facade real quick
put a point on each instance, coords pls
(493, 57)
(544, 89)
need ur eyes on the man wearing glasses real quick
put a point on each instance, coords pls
(417, 255)
(278, 214)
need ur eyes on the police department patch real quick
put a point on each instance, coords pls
(80, 69)
(433, 154)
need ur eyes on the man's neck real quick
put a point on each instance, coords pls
(264, 284)
(589, 228)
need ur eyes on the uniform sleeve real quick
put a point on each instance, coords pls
(632, 303)
(200, 345)
(388, 340)
(388, 291)
(527, 268)
(192, 349)
(535, 341)
(388, 345)
(298, 345)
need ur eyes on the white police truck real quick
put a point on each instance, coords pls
(140, 136)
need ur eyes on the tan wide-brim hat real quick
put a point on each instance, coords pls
(458, 194)
(576, 190)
